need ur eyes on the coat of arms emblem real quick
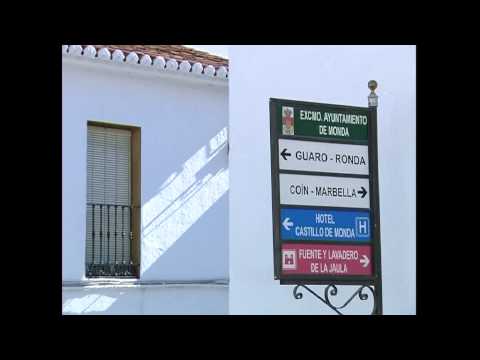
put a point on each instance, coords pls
(287, 121)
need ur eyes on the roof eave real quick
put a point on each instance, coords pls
(161, 67)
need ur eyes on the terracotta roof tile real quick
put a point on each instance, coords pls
(177, 52)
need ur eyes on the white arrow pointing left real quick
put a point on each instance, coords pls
(364, 261)
(287, 223)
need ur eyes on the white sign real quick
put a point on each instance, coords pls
(323, 157)
(317, 190)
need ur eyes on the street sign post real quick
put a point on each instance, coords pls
(325, 208)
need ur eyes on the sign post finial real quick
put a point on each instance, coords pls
(372, 98)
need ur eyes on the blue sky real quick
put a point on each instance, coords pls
(220, 50)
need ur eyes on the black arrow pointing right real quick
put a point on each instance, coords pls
(284, 154)
(363, 192)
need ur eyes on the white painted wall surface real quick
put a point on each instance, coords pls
(147, 300)
(327, 74)
(184, 173)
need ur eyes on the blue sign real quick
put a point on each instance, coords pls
(324, 224)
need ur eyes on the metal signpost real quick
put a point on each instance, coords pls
(325, 202)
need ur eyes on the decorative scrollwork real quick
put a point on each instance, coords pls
(296, 294)
(331, 290)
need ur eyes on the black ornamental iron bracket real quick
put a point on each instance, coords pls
(332, 290)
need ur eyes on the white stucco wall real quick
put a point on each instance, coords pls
(184, 172)
(327, 74)
(147, 300)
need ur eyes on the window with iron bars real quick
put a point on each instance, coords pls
(110, 214)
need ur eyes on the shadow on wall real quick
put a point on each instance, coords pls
(196, 300)
(87, 304)
(182, 200)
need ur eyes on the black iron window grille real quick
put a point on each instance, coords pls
(109, 241)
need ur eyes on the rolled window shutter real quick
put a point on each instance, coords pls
(108, 183)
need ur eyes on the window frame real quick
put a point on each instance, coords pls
(135, 192)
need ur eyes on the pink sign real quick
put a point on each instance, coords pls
(319, 259)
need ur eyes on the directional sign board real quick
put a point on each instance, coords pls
(326, 222)
(323, 157)
(317, 190)
(326, 259)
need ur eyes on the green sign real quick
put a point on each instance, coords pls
(296, 118)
